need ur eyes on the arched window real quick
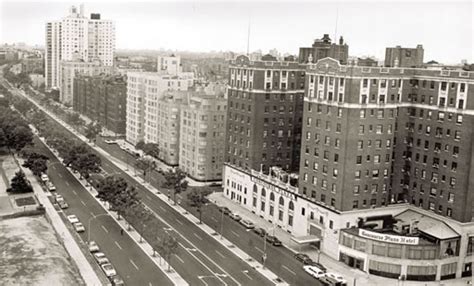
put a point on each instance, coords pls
(282, 201)
(264, 193)
(272, 197)
(255, 190)
(291, 206)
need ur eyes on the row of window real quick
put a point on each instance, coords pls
(441, 116)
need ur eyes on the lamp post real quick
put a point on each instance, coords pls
(89, 225)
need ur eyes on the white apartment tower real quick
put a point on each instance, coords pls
(77, 38)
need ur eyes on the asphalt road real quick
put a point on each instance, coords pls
(131, 263)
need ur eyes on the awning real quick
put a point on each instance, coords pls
(306, 239)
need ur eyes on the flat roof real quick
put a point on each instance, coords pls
(429, 225)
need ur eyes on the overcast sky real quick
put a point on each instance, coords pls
(445, 29)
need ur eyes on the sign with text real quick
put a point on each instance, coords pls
(388, 237)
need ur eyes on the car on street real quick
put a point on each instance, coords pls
(314, 271)
(109, 270)
(226, 210)
(273, 240)
(58, 198)
(248, 224)
(51, 187)
(319, 265)
(93, 247)
(330, 279)
(63, 205)
(108, 141)
(117, 281)
(303, 258)
(79, 227)
(235, 216)
(336, 277)
(260, 231)
(72, 218)
(44, 178)
(101, 258)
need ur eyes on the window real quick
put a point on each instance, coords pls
(362, 113)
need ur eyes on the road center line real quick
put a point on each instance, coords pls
(200, 238)
(134, 265)
(181, 223)
(74, 192)
(288, 269)
(234, 233)
(82, 202)
(118, 245)
(246, 274)
(220, 254)
(258, 249)
(103, 227)
(179, 258)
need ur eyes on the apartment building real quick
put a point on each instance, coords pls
(264, 113)
(324, 48)
(202, 136)
(102, 99)
(404, 57)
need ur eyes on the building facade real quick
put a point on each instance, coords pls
(324, 48)
(202, 136)
(77, 37)
(264, 113)
(102, 99)
(404, 57)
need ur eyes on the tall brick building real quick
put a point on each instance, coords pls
(324, 48)
(264, 111)
(374, 136)
(404, 57)
(102, 99)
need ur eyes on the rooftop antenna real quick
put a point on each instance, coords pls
(248, 38)
(337, 18)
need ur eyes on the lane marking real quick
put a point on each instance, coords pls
(118, 245)
(103, 227)
(67, 184)
(74, 192)
(288, 269)
(61, 176)
(181, 223)
(200, 238)
(258, 249)
(93, 214)
(234, 233)
(220, 254)
(162, 208)
(246, 272)
(134, 265)
(148, 197)
(179, 258)
(82, 202)
(149, 284)
(214, 219)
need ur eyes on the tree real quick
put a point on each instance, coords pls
(109, 186)
(16, 132)
(92, 130)
(168, 246)
(140, 145)
(151, 149)
(19, 184)
(38, 119)
(74, 119)
(37, 163)
(87, 163)
(175, 179)
(116, 192)
(197, 200)
(145, 165)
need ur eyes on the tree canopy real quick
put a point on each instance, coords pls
(175, 180)
(19, 184)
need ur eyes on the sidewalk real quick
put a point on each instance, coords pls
(349, 273)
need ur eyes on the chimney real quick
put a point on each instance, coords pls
(341, 41)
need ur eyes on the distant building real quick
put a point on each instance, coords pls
(77, 37)
(36, 80)
(323, 48)
(169, 65)
(202, 136)
(8, 55)
(70, 69)
(404, 57)
(366, 62)
(30, 65)
(103, 99)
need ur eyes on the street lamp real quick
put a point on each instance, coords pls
(89, 225)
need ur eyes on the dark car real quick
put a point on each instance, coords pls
(260, 231)
(319, 265)
(273, 240)
(226, 210)
(303, 258)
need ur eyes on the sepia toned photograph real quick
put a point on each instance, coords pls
(236, 143)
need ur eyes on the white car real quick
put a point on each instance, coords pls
(79, 227)
(50, 186)
(248, 224)
(63, 205)
(93, 247)
(100, 258)
(336, 277)
(72, 219)
(235, 216)
(58, 198)
(109, 270)
(110, 141)
(44, 178)
(313, 271)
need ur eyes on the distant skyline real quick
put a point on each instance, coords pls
(445, 29)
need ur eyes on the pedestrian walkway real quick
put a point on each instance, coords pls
(85, 269)
(352, 275)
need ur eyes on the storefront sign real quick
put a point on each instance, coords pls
(388, 237)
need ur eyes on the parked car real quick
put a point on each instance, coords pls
(44, 178)
(260, 231)
(331, 280)
(235, 216)
(72, 218)
(79, 227)
(273, 240)
(337, 277)
(63, 205)
(93, 247)
(314, 271)
(51, 187)
(108, 141)
(58, 198)
(117, 281)
(109, 270)
(248, 224)
(303, 258)
(226, 210)
(319, 265)
(101, 258)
